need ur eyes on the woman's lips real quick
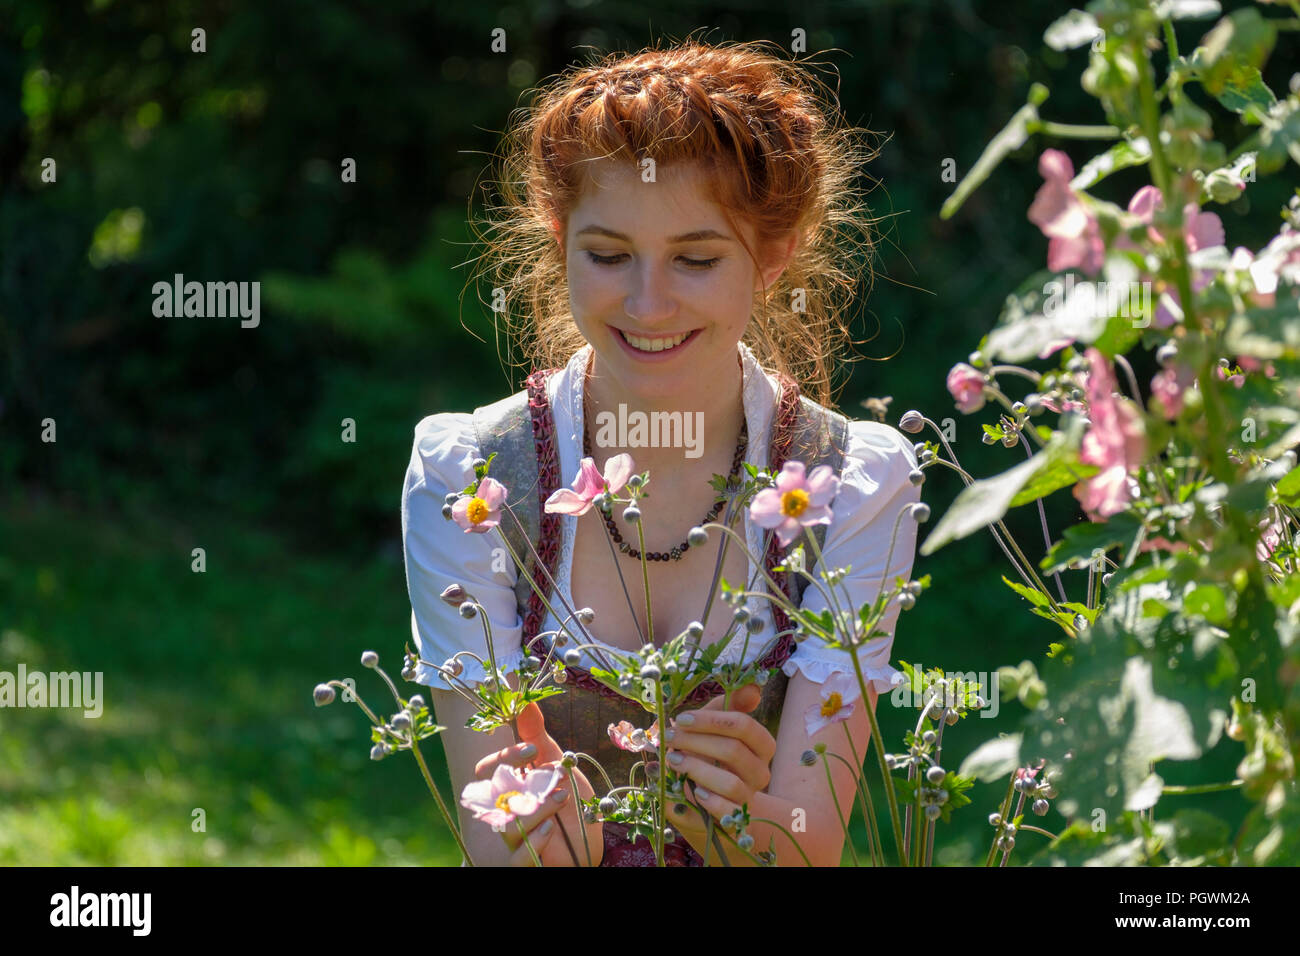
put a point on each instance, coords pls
(660, 356)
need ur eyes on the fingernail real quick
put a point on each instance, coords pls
(670, 734)
(559, 796)
(679, 808)
(685, 719)
(528, 750)
(545, 828)
(702, 794)
(675, 758)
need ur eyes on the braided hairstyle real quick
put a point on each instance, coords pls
(771, 156)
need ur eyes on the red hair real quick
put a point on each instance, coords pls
(766, 139)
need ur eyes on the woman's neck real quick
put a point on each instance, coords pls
(677, 432)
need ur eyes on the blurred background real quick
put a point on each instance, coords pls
(177, 434)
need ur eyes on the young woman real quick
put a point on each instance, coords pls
(676, 231)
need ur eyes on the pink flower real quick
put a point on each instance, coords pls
(1162, 544)
(1238, 380)
(1280, 259)
(1115, 442)
(1168, 386)
(1269, 539)
(966, 385)
(1074, 237)
(796, 501)
(835, 704)
(589, 484)
(627, 737)
(1201, 230)
(510, 793)
(1252, 364)
(1029, 773)
(481, 511)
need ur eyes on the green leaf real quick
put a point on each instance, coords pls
(1081, 540)
(1074, 29)
(1011, 138)
(1060, 474)
(987, 500)
(1032, 595)
(1207, 601)
(1122, 155)
(1288, 488)
(1237, 45)
(993, 759)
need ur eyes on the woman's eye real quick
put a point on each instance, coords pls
(692, 263)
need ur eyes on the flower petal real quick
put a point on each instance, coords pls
(565, 501)
(617, 471)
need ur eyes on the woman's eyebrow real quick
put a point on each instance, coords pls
(698, 235)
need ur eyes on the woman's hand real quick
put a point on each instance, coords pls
(537, 750)
(726, 753)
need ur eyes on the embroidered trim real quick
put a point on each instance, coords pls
(548, 473)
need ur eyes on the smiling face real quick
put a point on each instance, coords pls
(659, 283)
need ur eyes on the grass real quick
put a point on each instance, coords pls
(210, 749)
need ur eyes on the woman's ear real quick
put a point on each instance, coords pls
(781, 251)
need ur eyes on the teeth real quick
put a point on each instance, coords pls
(653, 345)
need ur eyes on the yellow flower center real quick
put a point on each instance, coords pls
(503, 801)
(794, 503)
(477, 511)
(832, 705)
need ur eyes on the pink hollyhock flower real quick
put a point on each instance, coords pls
(1201, 230)
(510, 793)
(1269, 539)
(796, 501)
(1168, 385)
(835, 703)
(627, 737)
(1074, 237)
(966, 385)
(589, 484)
(481, 511)
(1238, 380)
(1115, 442)
(1162, 544)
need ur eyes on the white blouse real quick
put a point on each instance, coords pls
(873, 489)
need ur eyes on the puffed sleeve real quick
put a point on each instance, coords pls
(873, 490)
(438, 553)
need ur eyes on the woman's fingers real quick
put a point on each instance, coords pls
(725, 723)
(539, 839)
(714, 779)
(731, 752)
(516, 755)
(556, 801)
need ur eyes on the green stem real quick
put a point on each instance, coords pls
(1074, 131)
(531, 852)
(869, 811)
(1204, 787)
(890, 793)
(645, 578)
(787, 833)
(1003, 810)
(442, 806)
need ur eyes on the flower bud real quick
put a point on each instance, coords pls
(468, 610)
(995, 819)
(1041, 806)
(695, 629)
(1048, 791)
(451, 497)
(588, 815)
(369, 659)
(976, 358)
(401, 721)
(917, 477)
(634, 482)
(408, 673)
(1006, 844)
(921, 512)
(454, 667)
(572, 656)
(951, 717)
(912, 422)
(741, 615)
(932, 812)
(585, 615)
(929, 736)
(697, 537)
(808, 758)
(446, 512)
(378, 752)
(890, 761)
(323, 694)
(454, 595)
(905, 600)
(608, 805)
(745, 842)
(631, 514)
(568, 760)
(415, 704)
(650, 672)
(762, 677)
(936, 774)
